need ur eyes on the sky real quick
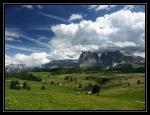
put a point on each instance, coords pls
(36, 34)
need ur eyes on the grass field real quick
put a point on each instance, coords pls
(111, 97)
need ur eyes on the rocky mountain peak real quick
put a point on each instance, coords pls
(112, 56)
(89, 59)
(106, 59)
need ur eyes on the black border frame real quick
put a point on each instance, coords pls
(146, 12)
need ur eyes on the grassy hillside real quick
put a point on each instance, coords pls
(137, 65)
(115, 94)
(130, 67)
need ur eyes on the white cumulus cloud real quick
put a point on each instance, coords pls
(39, 6)
(28, 7)
(101, 7)
(12, 36)
(75, 17)
(34, 59)
(128, 7)
(31, 7)
(120, 29)
(142, 54)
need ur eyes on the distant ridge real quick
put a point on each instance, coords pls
(103, 61)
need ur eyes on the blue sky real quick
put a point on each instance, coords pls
(52, 29)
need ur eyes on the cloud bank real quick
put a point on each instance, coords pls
(123, 29)
(34, 59)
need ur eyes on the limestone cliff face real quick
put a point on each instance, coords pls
(114, 57)
(111, 57)
(89, 59)
(107, 59)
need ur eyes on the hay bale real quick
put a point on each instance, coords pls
(60, 84)
(124, 85)
(78, 93)
(89, 92)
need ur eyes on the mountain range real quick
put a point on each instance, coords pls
(108, 60)
(15, 67)
(101, 61)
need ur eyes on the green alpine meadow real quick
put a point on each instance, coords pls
(115, 93)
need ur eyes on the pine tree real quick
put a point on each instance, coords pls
(28, 88)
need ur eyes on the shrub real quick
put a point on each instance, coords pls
(87, 78)
(28, 88)
(129, 84)
(138, 81)
(80, 85)
(66, 78)
(52, 82)
(92, 77)
(57, 83)
(95, 89)
(75, 79)
(71, 79)
(12, 84)
(90, 85)
(18, 87)
(44, 82)
(104, 80)
(15, 85)
(24, 85)
(43, 87)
